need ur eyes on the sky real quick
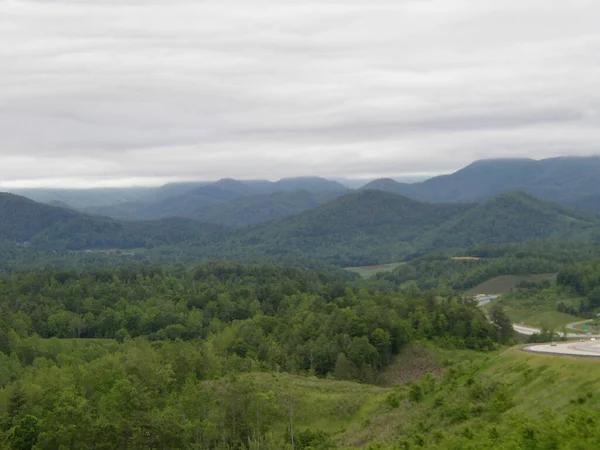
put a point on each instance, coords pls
(142, 92)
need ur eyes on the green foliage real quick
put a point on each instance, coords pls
(24, 435)
(313, 440)
(499, 318)
(171, 378)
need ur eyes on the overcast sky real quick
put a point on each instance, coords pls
(113, 92)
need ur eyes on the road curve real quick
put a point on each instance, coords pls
(590, 349)
(528, 331)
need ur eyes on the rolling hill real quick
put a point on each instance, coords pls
(45, 227)
(371, 227)
(512, 217)
(255, 209)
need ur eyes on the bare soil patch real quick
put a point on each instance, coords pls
(411, 365)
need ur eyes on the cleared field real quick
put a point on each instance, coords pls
(368, 271)
(507, 283)
(539, 318)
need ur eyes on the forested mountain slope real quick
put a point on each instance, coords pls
(371, 227)
(360, 228)
(25, 222)
(566, 179)
(254, 209)
(513, 217)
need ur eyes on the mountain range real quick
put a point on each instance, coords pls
(358, 228)
(571, 181)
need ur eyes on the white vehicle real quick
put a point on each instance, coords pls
(592, 339)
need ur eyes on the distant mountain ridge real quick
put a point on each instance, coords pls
(192, 202)
(565, 179)
(571, 181)
(359, 228)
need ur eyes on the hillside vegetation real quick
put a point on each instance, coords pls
(186, 341)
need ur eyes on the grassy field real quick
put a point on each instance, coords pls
(538, 309)
(368, 271)
(539, 318)
(507, 283)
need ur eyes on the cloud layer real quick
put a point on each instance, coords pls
(136, 91)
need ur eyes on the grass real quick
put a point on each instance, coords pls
(539, 318)
(369, 271)
(356, 415)
(545, 381)
(508, 283)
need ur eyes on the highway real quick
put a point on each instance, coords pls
(587, 348)
(528, 331)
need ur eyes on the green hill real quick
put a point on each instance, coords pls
(361, 228)
(254, 209)
(352, 230)
(512, 217)
(25, 222)
(374, 227)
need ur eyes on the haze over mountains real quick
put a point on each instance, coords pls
(573, 181)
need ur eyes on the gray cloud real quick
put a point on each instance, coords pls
(137, 91)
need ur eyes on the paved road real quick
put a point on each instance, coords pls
(522, 329)
(572, 326)
(586, 348)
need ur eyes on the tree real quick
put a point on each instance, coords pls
(503, 323)
(122, 335)
(25, 434)
(344, 369)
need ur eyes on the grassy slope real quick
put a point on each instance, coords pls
(357, 415)
(506, 283)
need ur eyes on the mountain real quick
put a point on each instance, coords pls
(85, 198)
(588, 202)
(370, 227)
(311, 184)
(193, 199)
(360, 228)
(564, 179)
(357, 228)
(513, 217)
(393, 186)
(254, 209)
(25, 222)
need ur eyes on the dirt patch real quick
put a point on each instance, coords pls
(411, 365)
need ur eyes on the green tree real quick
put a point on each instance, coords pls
(503, 323)
(25, 434)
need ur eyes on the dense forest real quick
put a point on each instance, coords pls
(153, 345)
